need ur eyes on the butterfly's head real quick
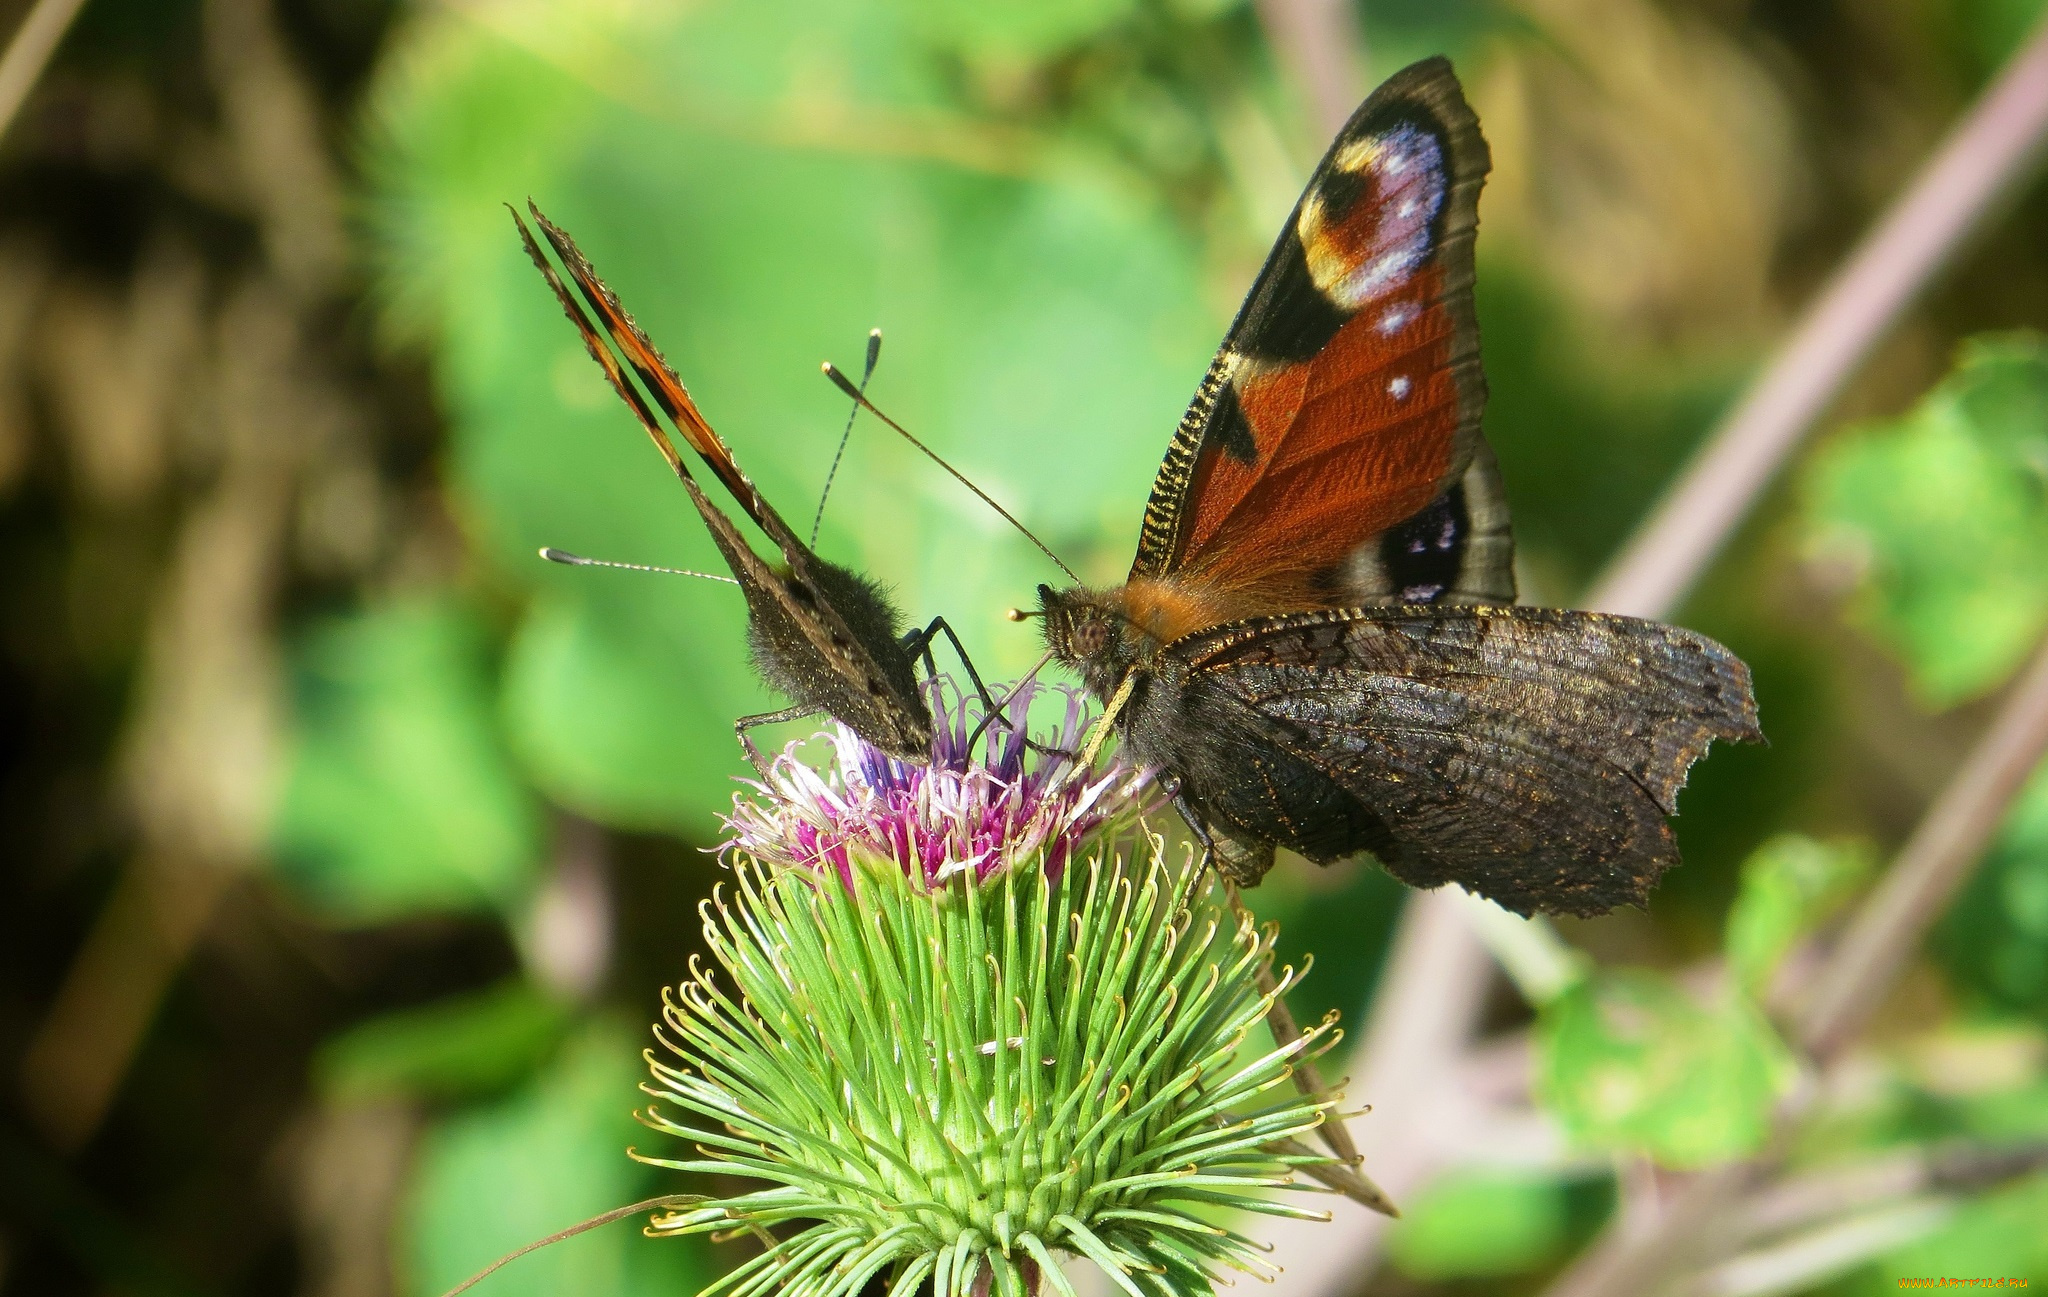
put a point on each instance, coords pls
(1087, 630)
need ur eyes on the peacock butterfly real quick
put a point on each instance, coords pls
(823, 635)
(1316, 645)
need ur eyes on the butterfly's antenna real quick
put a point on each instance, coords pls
(1022, 614)
(602, 1218)
(867, 372)
(1032, 674)
(846, 386)
(564, 557)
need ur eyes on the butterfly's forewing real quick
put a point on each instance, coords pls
(821, 634)
(1529, 754)
(1333, 455)
(653, 369)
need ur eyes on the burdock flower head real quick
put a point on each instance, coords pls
(990, 796)
(967, 1018)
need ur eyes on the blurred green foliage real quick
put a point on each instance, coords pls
(1476, 1224)
(1635, 1060)
(400, 797)
(1942, 517)
(494, 1178)
(1999, 1235)
(464, 1047)
(1632, 1062)
(1789, 886)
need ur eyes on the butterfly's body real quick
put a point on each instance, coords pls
(828, 639)
(1316, 645)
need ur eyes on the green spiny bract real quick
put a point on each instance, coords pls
(953, 1084)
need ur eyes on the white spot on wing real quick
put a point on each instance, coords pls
(1396, 319)
(1398, 389)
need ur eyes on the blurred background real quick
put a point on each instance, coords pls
(347, 845)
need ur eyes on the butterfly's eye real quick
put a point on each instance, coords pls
(1091, 636)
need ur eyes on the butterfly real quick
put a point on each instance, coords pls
(824, 636)
(1316, 646)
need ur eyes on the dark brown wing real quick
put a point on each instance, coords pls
(1529, 754)
(662, 381)
(1331, 455)
(821, 634)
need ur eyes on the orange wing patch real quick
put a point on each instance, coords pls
(1346, 445)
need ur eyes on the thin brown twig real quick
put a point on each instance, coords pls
(29, 53)
(1432, 994)
(1818, 1197)
(1984, 156)
(1630, 1263)
(1825, 1252)
(1322, 46)
(1308, 1078)
(581, 1226)
(1934, 862)
(80, 1052)
(1821, 1221)
(1353, 1185)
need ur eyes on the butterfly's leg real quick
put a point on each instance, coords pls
(745, 723)
(920, 642)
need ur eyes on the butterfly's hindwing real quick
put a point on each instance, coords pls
(1457, 550)
(1530, 755)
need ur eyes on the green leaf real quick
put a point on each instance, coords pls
(399, 797)
(1628, 1061)
(490, 1179)
(1994, 939)
(1942, 515)
(1789, 885)
(1471, 1224)
(453, 1048)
